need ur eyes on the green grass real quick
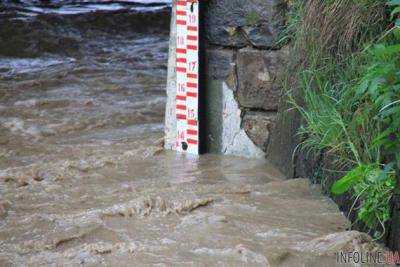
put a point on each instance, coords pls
(345, 64)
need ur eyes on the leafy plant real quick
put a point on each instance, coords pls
(353, 177)
(396, 11)
(376, 192)
(373, 187)
(349, 75)
(379, 88)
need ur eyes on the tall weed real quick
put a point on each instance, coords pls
(350, 87)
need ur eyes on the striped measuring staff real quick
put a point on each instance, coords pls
(187, 76)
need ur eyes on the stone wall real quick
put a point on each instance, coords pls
(242, 67)
(245, 113)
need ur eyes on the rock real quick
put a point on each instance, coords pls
(263, 37)
(258, 75)
(240, 22)
(258, 126)
(284, 139)
(219, 63)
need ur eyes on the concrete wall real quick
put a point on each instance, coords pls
(170, 114)
(242, 67)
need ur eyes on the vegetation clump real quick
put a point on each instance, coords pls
(346, 61)
(253, 18)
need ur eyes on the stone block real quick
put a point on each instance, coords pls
(258, 126)
(258, 74)
(223, 130)
(239, 23)
(219, 64)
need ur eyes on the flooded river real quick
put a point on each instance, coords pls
(84, 179)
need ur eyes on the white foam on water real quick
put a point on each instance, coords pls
(69, 7)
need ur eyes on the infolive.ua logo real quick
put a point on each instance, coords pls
(377, 258)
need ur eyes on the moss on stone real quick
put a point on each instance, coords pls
(253, 18)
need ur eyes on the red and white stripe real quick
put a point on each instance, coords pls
(187, 69)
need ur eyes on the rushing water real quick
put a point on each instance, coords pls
(84, 180)
(64, 7)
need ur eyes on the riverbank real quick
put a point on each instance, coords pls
(84, 179)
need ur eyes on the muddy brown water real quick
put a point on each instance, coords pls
(84, 179)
